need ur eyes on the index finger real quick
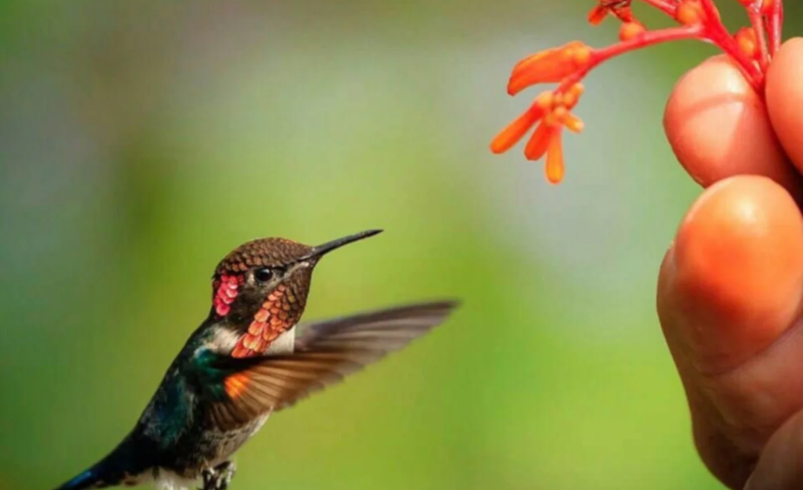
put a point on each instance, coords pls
(718, 127)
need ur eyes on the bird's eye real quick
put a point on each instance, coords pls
(264, 274)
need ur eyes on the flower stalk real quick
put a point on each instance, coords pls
(751, 48)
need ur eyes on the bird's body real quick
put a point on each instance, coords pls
(248, 359)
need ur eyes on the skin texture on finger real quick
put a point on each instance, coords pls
(729, 297)
(785, 98)
(718, 127)
(781, 464)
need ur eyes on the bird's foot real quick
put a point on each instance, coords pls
(219, 477)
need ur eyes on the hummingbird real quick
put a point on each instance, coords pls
(250, 358)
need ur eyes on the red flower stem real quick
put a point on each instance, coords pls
(757, 20)
(649, 38)
(711, 12)
(665, 6)
(775, 28)
(716, 32)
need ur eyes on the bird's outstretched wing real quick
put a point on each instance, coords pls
(325, 352)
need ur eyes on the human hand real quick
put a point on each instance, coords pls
(730, 291)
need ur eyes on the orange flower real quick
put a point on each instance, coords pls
(550, 111)
(748, 42)
(690, 12)
(554, 160)
(631, 30)
(516, 130)
(551, 65)
(751, 49)
(619, 8)
(597, 15)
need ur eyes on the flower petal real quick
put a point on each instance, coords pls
(747, 41)
(631, 30)
(516, 130)
(551, 65)
(573, 123)
(539, 141)
(597, 15)
(554, 159)
(619, 8)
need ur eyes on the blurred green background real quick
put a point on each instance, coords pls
(141, 141)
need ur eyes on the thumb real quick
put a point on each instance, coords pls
(780, 466)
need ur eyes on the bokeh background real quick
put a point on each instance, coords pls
(141, 141)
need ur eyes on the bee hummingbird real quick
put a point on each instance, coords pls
(248, 359)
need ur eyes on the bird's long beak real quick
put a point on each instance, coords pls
(321, 250)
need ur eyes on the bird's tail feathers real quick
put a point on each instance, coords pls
(86, 480)
(121, 465)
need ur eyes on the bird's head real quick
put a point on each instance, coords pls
(264, 283)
